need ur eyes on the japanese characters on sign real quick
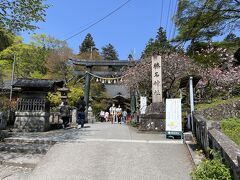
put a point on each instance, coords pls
(173, 115)
(156, 79)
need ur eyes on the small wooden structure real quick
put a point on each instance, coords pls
(33, 108)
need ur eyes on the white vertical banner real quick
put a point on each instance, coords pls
(143, 104)
(156, 79)
(173, 115)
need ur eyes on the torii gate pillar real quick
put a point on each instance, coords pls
(86, 91)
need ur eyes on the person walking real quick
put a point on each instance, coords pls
(119, 114)
(65, 114)
(112, 111)
(124, 116)
(102, 118)
(106, 116)
(81, 106)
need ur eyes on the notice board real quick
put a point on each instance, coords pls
(173, 116)
(143, 104)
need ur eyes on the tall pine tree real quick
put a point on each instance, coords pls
(158, 45)
(88, 49)
(149, 49)
(109, 53)
(161, 43)
(87, 44)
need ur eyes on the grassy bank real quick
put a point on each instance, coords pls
(231, 127)
(215, 102)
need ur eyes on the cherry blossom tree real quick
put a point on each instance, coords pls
(174, 67)
(223, 76)
(219, 78)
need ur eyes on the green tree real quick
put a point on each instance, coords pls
(47, 42)
(18, 15)
(75, 93)
(27, 62)
(87, 44)
(149, 49)
(231, 43)
(44, 45)
(30, 58)
(161, 42)
(195, 47)
(202, 20)
(230, 37)
(109, 53)
(54, 99)
(6, 39)
(158, 45)
(100, 101)
(90, 55)
(57, 64)
(88, 49)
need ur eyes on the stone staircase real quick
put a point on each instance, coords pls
(23, 152)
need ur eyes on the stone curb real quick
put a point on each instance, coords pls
(190, 151)
(196, 159)
(24, 148)
(28, 140)
(24, 165)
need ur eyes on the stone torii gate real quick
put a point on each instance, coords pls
(90, 66)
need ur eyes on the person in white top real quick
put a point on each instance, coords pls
(112, 111)
(119, 114)
(106, 115)
(102, 114)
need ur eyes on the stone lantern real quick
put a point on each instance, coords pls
(64, 91)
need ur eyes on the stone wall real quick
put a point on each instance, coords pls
(222, 111)
(55, 118)
(208, 136)
(152, 122)
(154, 119)
(32, 121)
(229, 150)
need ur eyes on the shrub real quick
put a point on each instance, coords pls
(54, 99)
(211, 169)
(74, 95)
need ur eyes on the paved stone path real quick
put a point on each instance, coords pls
(114, 152)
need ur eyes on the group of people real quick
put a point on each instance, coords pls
(115, 115)
(65, 113)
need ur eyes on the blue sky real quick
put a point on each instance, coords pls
(128, 29)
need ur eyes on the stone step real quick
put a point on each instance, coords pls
(19, 159)
(25, 148)
(188, 136)
(29, 140)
